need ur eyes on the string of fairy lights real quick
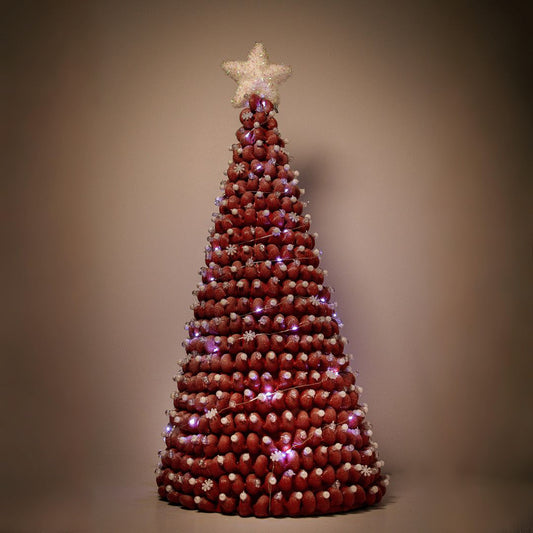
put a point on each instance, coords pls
(271, 306)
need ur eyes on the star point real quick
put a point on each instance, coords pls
(256, 75)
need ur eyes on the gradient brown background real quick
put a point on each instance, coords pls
(411, 126)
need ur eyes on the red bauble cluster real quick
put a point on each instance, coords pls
(266, 419)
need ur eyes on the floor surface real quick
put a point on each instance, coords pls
(466, 505)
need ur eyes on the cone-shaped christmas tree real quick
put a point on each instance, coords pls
(267, 418)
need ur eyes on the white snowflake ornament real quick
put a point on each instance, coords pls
(207, 485)
(231, 250)
(366, 470)
(239, 169)
(314, 300)
(249, 335)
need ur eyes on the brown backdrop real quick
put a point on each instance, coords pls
(411, 128)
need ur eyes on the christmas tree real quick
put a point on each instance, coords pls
(267, 418)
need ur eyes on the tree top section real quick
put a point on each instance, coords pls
(256, 75)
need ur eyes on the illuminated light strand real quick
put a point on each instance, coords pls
(304, 385)
(206, 356)
(315, 251)
(280, 259)
(321, 319)
(309, 437)
(292, 198)
(201, 286)
(271, 232)
(321, 301)
(263, 194)
(268, 226)
(331, 357)
(324, 299)
(268, 235)
(277, 260)
(240, 167)
(249, 338)
(218, 215)
(297, 192)
(253, 334)
(283, 210)
(246, 175)
(268, 394)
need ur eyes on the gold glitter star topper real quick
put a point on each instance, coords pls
(256, 75)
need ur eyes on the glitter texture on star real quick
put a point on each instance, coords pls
(256, 75)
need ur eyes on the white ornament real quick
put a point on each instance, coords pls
(256, 75)
(331, 374)
(207, 485)
(249, 335)
(366, 470)
(314, 300)
(276, 456)
(211, 413)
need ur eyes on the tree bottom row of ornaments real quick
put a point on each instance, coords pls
(306, 503)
